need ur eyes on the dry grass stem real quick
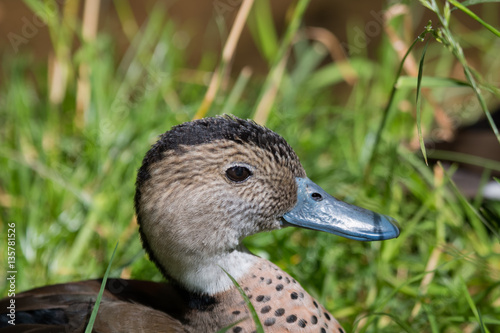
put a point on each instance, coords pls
(427, 280)
(58, 77)
(89, 31)
(227, 55)
(267, 101)
(332, 44)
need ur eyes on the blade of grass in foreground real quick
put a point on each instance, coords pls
(419, 103)
(93, 316)
(255, 316)
(225, 329)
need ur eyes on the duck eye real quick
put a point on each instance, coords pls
(238, 174)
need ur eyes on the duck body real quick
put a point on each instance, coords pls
(202, 188)
(145, 306)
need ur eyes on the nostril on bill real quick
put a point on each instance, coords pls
(316, 196)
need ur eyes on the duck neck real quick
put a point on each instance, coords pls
(209, 274)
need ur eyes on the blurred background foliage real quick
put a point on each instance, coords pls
(88, 85)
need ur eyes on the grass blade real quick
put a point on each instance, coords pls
(432, 319)
(227, 54)
(475, 17)
(445, 36)
(405, 327)
(419, 103)
(93, 316)
(225, 329)
(476, 2)
(128, 22)
(431, 82)
(238, 88)
(266, 97)
(479, 96)
(253, 312)
(262, 28)
(472, 306)
(388, 106)
(479, 228)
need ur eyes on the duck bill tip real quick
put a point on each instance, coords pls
(315, 209)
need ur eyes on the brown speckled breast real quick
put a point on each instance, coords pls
(280, 301)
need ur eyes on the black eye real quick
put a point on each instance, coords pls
(238, 173)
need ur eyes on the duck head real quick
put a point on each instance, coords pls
(207, 184)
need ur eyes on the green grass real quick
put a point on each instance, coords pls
(67, 178)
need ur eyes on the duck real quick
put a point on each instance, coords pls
(202, 188)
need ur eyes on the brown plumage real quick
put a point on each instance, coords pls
(203, 187)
